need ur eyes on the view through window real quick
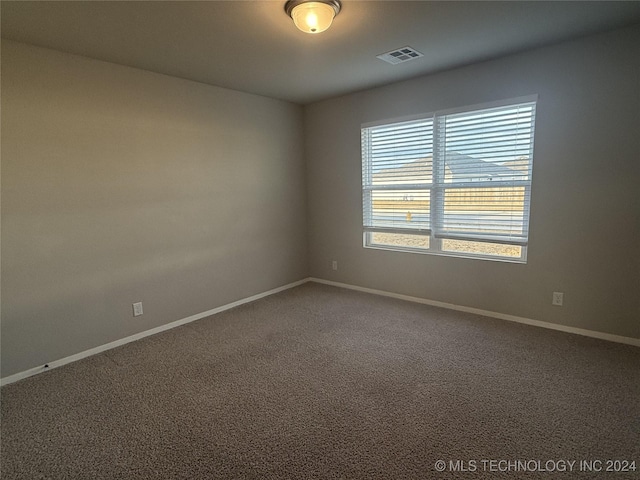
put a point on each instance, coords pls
(452, 183)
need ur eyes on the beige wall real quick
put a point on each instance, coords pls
(585, 216)
(120, 185)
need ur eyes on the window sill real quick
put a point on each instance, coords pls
(464, 255)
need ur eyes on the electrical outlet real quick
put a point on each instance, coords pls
(334, 264)
(558, 298)
(137, 309)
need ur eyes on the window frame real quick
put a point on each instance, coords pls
(438, 187)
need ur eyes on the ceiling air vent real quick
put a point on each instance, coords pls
(400, 55)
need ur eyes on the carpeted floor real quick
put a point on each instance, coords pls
(321, 382)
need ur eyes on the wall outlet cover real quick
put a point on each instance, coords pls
(137, 309)
(558, 299)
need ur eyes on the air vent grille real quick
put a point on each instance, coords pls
(400, 55)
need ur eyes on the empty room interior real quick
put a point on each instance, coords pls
(320, 239)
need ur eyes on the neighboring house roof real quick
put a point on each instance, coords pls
(459, 166)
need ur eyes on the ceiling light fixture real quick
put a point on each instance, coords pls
(312, 16)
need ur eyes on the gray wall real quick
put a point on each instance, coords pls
(585, 225)
(120, 185)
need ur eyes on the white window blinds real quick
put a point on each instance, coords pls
(397, 172)
(463, 176)
(486, 183)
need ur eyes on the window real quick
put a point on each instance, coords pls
(452, 183)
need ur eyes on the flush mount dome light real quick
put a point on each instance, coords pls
(310, 16)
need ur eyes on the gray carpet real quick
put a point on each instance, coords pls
(322, 382)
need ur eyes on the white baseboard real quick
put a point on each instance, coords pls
(502, 316)
(512, 318)
(108, 346)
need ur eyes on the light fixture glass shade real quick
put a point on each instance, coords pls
(313, 17)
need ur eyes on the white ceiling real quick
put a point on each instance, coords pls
(254, 47)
